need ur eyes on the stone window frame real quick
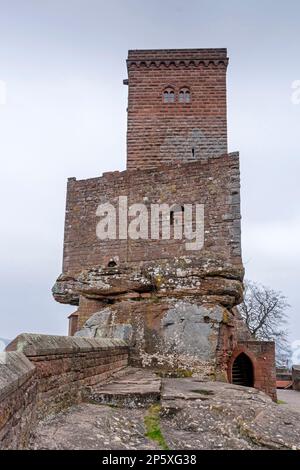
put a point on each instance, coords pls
(168, 95)
(184, 95)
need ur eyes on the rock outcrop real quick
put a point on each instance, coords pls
(210, 278)
(173, 313)
(189, 414)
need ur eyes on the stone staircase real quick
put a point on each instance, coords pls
(138, 410)
(130, 387)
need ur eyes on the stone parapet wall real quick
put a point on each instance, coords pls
(18, 393)
(41, 374)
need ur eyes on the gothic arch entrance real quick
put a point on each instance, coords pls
(242, 371)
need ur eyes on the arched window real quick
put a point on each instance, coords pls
(169, 95)
(184, 95)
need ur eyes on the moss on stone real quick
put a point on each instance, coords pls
(203, 392)
(225, 317)
(152, 424)
(158, 281)
(175, 373)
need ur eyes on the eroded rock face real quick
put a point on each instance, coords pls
(174, 334)
(192, 329)
(296, 377)
(173, 313)
(209, 278)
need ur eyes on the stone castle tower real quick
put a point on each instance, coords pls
(174, 305)
(176, 106)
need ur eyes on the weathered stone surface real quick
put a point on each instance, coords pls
(201, 415)
(175, 333)
(41, 375)
(18, 385)
(157, 282)
(169, 310)
(121, 331)
(208, 276)
(192, 329)
(172, 312)
(99, 318)
(87, 426)
(102, 325)
(289, 399)
(86, 333)
(242, 331)
(15, 369)
(40, 345)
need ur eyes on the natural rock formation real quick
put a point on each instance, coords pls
(174, 313)
(189, 413)
(210, 278)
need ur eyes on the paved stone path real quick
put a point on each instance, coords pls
(291, 399)
(190, 414)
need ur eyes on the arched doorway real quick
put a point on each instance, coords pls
(242, 371)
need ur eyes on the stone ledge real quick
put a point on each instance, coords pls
(42, 345)
(52, 377)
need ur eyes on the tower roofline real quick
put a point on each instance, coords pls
(155, 56)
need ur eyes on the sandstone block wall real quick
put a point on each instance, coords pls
(173, 132)
(296, 377)
(177, 303)
(43, 374)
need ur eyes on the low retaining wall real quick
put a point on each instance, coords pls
(18, 391)
(41, 374)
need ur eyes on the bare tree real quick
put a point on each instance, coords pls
(265, 314)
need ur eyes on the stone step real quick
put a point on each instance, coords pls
(131, 388)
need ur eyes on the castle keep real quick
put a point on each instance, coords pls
(174, 306)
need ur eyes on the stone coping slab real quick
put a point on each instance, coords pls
(41, 345)
(15, 370)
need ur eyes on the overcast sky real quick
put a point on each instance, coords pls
(63, 63)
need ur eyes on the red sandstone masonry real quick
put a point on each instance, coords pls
(214, 183)
(176, 154)
(44, 374)
(159, 132)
